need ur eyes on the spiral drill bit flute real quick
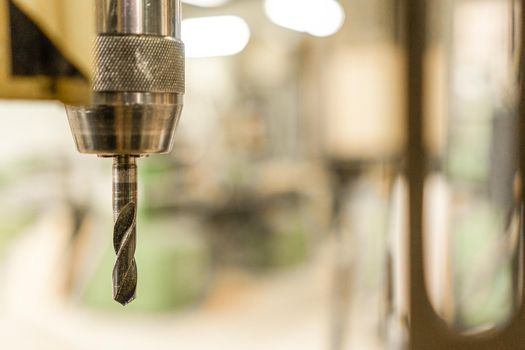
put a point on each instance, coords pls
(138, 87)
(124, 232)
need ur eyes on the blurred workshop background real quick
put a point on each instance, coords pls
(277, 221)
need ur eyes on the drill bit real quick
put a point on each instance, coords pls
(124, 232)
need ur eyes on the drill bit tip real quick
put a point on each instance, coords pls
(125, 270)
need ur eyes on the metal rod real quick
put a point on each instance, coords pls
(150, 17)
(416, 28)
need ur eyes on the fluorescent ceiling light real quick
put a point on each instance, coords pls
(215, 36)
(206, 3)
(316, 17)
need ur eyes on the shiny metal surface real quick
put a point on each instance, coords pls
(132, 98)
(151, 17)
(136, 129)
(136, 105)
(124, 235)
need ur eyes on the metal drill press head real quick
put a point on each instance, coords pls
(138, 86)
(138, 81)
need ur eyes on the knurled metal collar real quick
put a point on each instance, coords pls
(139, 63)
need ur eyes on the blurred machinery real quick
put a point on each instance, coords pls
(137, 93)
(426, 329)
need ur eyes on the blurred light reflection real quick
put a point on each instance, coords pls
(206, 3)
(319, 18)
(215, 36)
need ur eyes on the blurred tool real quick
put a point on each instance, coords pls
(137, 88)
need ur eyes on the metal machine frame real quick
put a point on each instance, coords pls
(427, 331)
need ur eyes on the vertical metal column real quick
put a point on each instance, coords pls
(427, 331)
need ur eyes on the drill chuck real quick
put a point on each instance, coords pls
(138, 81)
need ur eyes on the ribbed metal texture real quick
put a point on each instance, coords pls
(138, 64)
